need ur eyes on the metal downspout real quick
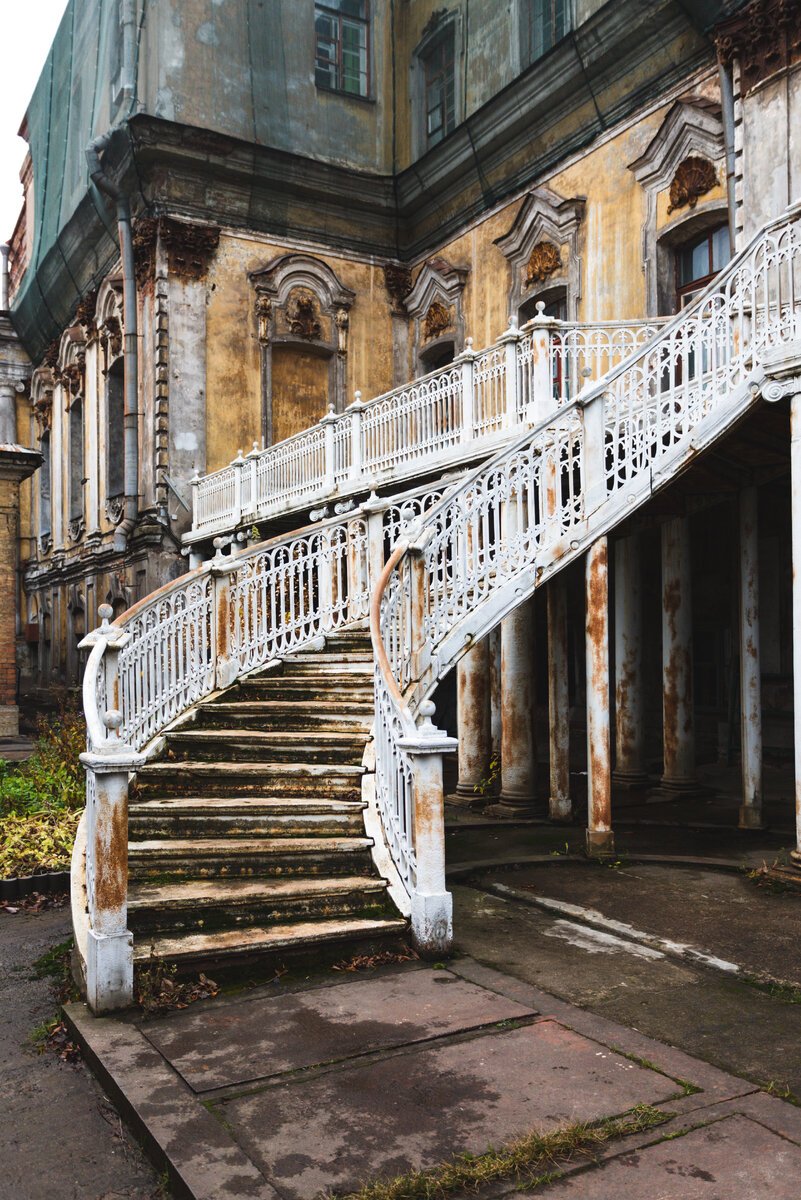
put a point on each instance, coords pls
(727, 106)
(131, 351)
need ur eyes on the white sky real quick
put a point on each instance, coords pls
(27, 29)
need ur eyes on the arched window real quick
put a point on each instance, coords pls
(441, 355)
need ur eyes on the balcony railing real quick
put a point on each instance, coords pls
(461, 412)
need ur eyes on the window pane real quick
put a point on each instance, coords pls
(324, 27)
(721, 250)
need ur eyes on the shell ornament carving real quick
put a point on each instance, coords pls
(694, 178)
(436, 320)
(303, 320)
(543, 261)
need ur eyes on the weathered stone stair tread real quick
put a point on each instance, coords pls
(301, 739)
(295, 770)
(254, 939)
(324, 657)
(335, 708)
(205, 893)
(181, 848)
(230, 805)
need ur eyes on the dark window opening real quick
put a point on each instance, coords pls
(341, 43)
(440, 94)
(115, 430)
(45, 518)
(438, 356)
(76, 461)
(549, 22)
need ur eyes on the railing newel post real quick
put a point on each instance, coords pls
(509, 340)
(466, 361)
(355, 411)
(238, 464)
(374, 507)
(431, 903)
(328, 423)
(541, 400)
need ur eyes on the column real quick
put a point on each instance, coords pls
(600, 839)
(494, 639)
(518, 747)
(473, 702)
(8, 414)
(15, 465)
(795, 502)
(678, 733)
(560, 806)
(750, 674)
(629, 730)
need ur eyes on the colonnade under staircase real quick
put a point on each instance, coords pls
(437, 571)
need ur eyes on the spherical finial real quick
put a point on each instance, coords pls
(468, 343)
(105, 612)
(540, 307)
(427, 709)
(358, 396)
(113, 718)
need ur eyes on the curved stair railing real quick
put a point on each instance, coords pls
(519, 518)
(235, 614)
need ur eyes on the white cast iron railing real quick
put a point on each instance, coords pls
(516, 520)
(462, 411)
(232, 615)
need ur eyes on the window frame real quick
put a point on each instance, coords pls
(530, 24)
(686, 292)
(324, 8)
(439, 47)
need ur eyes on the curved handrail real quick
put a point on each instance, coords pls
(549, 485)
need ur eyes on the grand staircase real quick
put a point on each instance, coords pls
(247, 834)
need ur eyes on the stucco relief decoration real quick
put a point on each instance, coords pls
(85, 314)
(302, 317)
(436, 320)
(693, 179)
(43, 408)
(342, 322)
(115, 509)
(189, 247)
(398, 282)
(264, 315)
(144, 248)
(113, 332)
(73, 375)
(763, 37)
(543, 261)
(77, 528)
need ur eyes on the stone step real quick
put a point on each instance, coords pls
(181, 778)
(243, 819)
(228, 945)
(331, 657)
(216, 903)
(268, 746)
(172, 859)
(300, 688)
(310, 665)
(286, 714)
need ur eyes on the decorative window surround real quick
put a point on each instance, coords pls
(282, 320)
(544, 219)
(688, 130)
(435, 297)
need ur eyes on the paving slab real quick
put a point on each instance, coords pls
(226, 1045)
(733, 1159)
(418, 1109)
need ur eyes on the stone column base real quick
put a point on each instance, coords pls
(629, 781)
(750, 817)
(600, 842)
(560, 808)
(109, 971)
(9, 720)
(513, 806)
(432, 924)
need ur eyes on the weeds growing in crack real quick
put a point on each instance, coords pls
(520, 1162)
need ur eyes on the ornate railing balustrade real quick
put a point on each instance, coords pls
(542, 501)
(232, 615)
(462, 411)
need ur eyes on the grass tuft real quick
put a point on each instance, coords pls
(521, 1162)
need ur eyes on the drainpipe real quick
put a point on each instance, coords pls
(5, 250)
(131, 419)
(727, 104)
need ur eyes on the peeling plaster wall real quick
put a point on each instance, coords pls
(771, 145)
